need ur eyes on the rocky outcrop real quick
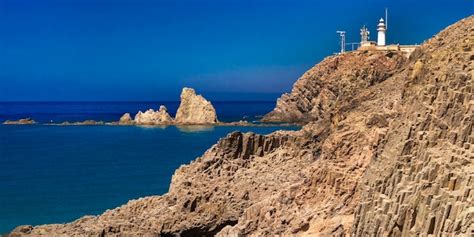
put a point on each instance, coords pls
(195, 109)
(151, 117)
(335, 79)
(392, 159)
(126, 119)
(20, 121)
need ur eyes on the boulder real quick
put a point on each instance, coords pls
(151, 117)
(195, 109)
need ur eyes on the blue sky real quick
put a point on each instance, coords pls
(121, 50)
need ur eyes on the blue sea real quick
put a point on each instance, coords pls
(55, 174)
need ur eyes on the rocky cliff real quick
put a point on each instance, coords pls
(422, 182)
(390, 157)
(336, 79)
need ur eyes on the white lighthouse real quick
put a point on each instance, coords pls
(381, 29)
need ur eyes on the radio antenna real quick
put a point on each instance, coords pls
(342, 34)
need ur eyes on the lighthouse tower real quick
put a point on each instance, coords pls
(381, 29)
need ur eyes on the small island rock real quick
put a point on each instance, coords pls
(20, 121)
(151, 117)
(195, 109)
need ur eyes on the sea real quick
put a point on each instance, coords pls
(56, 174)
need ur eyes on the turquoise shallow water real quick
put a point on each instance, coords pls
(54, 174)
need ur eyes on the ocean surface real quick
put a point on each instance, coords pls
(55, 174)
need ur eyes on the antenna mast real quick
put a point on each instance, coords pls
(386, 18)
(342, 34)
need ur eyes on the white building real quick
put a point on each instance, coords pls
(381, 44)
(381, 29)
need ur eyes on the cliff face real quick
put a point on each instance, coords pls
(391, 158)
(422, 181)
(336, 79)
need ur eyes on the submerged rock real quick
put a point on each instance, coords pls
(195, 109)
(151, 117)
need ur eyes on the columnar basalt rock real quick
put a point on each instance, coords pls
(422, 183)
(195, 109)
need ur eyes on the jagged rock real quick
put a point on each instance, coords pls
(20, 121)
(335, 79)
(126, 119)
(151, 117)
(195, 109)
(393, 159)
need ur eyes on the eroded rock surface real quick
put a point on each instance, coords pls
(394, 158)
(151, 117)
(422, 182)
(336, 78)
(195, 109)
(126, 119)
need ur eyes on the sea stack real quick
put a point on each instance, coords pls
(151, 117)
(195, 109)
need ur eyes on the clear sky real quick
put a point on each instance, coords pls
(121, 50)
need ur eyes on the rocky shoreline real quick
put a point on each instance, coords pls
(387, 150)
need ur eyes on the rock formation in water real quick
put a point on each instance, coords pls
(20, 121)
(126, 119)
(85, 122)
(195, 109)
(151, 117)
(391, 157)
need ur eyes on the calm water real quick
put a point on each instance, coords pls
(111, 111)
(51, 174)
